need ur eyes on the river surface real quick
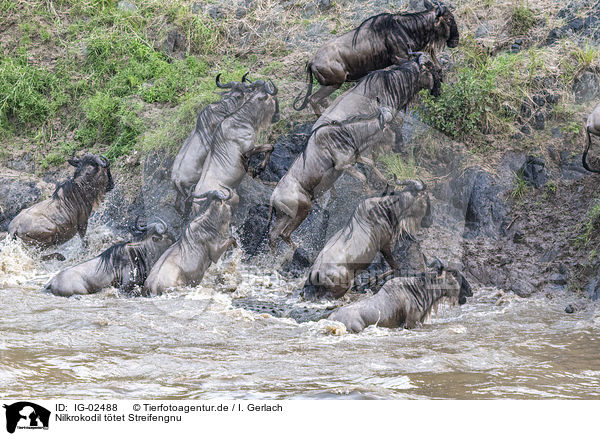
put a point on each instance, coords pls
(198, 344)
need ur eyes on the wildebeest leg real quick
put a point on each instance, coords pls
(294, 223)
(321, 94)
(369, 162)
(268, 150)
(389, 258)
(216, 250)
(360, 177)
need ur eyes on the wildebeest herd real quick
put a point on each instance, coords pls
(385, 56)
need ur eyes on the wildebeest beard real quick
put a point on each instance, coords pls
(116, 259)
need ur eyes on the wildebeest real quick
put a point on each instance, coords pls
(123, 265)
(57, 219)
(187, 165)
(394, 88)
(378, 42)
(592, 127)
(233, 143)
(404, 301)
(203, 241)
(332, 148)
(375, 226)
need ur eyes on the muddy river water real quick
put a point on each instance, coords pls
(198, 343)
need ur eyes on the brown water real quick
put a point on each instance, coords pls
(195, 344)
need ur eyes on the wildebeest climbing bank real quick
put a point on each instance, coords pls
(307, 199)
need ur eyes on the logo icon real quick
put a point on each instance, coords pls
(26, 415)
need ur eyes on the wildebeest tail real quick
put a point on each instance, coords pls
(585, 152)
(309, 78)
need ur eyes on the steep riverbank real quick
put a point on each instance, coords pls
(541, 59)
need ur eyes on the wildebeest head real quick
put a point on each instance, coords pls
(461, 289)
(93, 167)
(235, 88)
(263, 103)
(215, 213)
(157, 232)
(414, 206)
(445, 22)
(429, 77)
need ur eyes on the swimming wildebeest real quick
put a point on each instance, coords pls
(234, 143)
(592, 127)
(123, 265)
(203, 241)
(332, 148)
(404, 301)
(380, 41)
(187, 166)
(57, 219)
(375, 227)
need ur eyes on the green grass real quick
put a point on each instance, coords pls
(112, 71)
(590, 227)
(586, 56)
(521, 187)
(403, 167)
(29, 95)
(522, 19)
(472, 104)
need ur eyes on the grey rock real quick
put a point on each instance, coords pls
(309, 11)
(174, 42)
(586, 87)
(526, 129)
(593, 288)
(559, 279)
(476, 193)
(16, 195)
(241, 12)
(127, 6)
(323, 5)
(217, 13)
(539, 121)
(483, 30)
(571, 166)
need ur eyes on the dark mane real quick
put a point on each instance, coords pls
(342, 135)
(207, 223)
(246, 113)
(75, 197)
(396, 87)
(116, 258)
(413, 27)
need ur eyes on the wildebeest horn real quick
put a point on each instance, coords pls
(427, 4)
(102, 161)
(209, 195)
(139, 227)
(227, 85)
(245, 78)
(441, 9)
(222, 197)
(160, 227)
(74, 161)
(415, 185)
(271, 88)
